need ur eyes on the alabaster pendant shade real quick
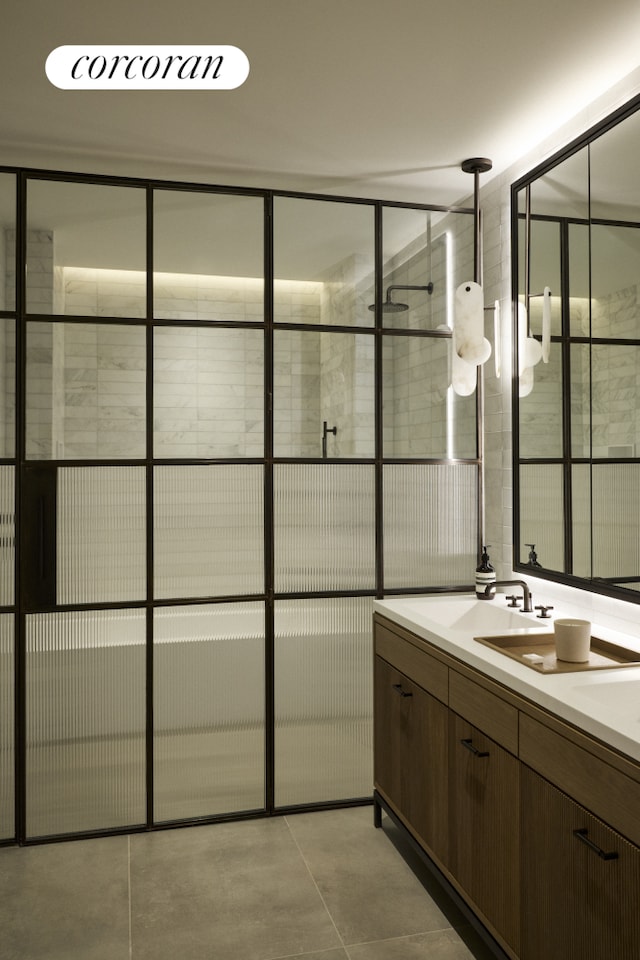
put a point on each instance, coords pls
(469, 341)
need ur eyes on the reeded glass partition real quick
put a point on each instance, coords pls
(229, 446)
(85, 759)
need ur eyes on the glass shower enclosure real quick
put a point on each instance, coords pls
(217, 448)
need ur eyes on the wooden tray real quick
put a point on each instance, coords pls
(604, 655)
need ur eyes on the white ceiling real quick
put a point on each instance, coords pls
(352, 97)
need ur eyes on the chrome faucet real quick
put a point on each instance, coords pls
(526, 593)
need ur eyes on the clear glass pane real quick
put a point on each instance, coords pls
(324, 527)
(7, 387)
(542, 514)
(85, 721)
(7, 535)
(541, 411)
(422, 415)
(86, 391)
(430, 524)
(209, 530)
(208, 256)
(579, 280)
(615, 269)
(86, 249)
(101, 544)
(323, 378)
(7, 748)
(545, 272)
(615, 400)
(581, 519)
(323, 700)
(423, 248)
(7, 241)
(616, 522)
(323, 262)
(208, 710)
(581, 400)
(208, 392)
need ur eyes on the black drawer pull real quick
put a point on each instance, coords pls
(473, 749)
(403, 693)
(582, 835)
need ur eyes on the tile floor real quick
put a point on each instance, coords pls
(314, 886)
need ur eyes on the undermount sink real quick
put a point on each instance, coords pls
(621, 697)
(475, 616)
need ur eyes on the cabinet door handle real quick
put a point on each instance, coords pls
(583, 836)
(403, 693)
(473, 749)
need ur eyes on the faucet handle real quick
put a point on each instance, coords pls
(544, 615)
(515, 600)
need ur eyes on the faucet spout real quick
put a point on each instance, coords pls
(526, 593)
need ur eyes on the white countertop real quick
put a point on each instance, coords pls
(603, 703)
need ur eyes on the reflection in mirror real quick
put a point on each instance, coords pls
(591, 199)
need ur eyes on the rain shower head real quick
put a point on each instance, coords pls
(390, 306)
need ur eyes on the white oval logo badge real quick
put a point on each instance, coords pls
(147, 67)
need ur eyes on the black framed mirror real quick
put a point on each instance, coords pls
(576, 387)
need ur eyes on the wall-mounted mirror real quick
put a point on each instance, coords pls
(576, 288)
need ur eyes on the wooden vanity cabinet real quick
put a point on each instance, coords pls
(410, 751)
(580, 881)
(484, 826)
(535, 824)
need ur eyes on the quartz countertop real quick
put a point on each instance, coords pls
(603, 703)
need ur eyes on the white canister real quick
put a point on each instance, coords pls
(573, 640)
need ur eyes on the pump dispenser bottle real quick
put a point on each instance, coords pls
(485, 574)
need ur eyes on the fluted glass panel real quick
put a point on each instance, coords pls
(208, 256)
(581, 519)
(429, 524)
(615, 521)
(7, 748)
(542, 514)
(208, 392)
(86, 391)
(7, 535)
(323, 700)
(85, 731)
(86, 249)
(208, 709)
(101, 548)
(323, 255)
(7, 386)
(324, 529)
(209, 534)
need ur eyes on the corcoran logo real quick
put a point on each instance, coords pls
(147, 67)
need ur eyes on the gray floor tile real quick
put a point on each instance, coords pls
(237, 891)
(440, 945)
(370, 891)
(65, 901)
(339, 954)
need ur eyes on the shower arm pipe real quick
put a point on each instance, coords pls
(409, 286)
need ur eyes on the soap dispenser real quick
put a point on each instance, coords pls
(485, 574)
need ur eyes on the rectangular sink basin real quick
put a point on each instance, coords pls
(473, 616)
(538, 652)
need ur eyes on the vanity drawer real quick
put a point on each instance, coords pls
(605, 791)
(483, 709)
(416, 664)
